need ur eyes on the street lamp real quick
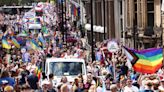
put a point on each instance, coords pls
(92, 43)
(104, 19)
(62, 26)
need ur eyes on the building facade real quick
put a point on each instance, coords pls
(113, 21)
(135, 23)
(143, 27)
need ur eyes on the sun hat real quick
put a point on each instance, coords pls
(8, 88)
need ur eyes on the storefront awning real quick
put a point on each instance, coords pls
(98, 29)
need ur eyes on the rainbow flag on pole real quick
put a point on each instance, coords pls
(41, 39)
(15, 42)
(5, 44)
(34, 44)
(38, 72)
(145, 61)
(75, 10)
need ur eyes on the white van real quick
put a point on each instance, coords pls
(69, 67)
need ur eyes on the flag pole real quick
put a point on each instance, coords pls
(62, 29)
(92, 43)
(104, 20)
(162, 24)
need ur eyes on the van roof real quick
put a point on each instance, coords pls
(64, 60)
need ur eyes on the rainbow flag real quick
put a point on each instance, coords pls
(5, 44)
(37, 20)
(75, 10)
(9, 41)
(145, 61)
(6, 34)
(31, 20)
(38, 72)
(41, 39)
(34, 44)
(15, 42)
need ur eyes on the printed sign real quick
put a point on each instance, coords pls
(112, 46)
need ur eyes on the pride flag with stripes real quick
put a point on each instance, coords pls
(145, 61)
(38, 72)
(15, 42)
(5, 44)
(75, 10)
(41, 39)
(34, 45)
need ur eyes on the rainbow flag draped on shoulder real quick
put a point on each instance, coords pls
(145, 61)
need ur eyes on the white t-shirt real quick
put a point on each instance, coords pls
(161, 88)
(99, 89)
(130, 89)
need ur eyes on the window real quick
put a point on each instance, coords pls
(121, 23)
(150, 6)
(66, 68)
(150, 13)
(128, 13)
(135, 12)
(120, 7)
(150, 18)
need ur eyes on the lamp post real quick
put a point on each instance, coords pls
(92, 42)
(104, 19)
(134, 33)
(65, 29)
(62, 26)
(162, 24)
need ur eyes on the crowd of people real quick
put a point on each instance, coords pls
(107, 72)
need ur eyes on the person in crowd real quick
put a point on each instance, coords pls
(161, 87)
(129, 87)
(106, 72)
(113, 88)
(32, 80)
(5, 76)
(65, 84)
(51, 77)
(108, 80)
(8, 89)
(75, 85)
